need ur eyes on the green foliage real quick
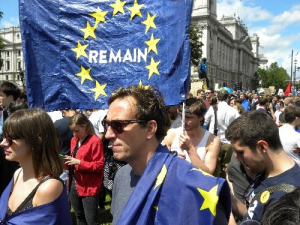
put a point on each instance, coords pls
(273, 76)
(196, 44)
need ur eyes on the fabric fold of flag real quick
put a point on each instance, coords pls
(77, 53)
(173, 191)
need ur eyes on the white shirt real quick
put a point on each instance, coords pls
(55, 115)
(290, 139)
(96, 119)
(209, 119)
(226, 115)
(277, 114)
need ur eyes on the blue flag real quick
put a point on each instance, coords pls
(77, 53)
(173, 191)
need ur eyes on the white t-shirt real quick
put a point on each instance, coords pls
(290, 139)
(96, 119)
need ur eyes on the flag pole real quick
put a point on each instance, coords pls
(183, 117)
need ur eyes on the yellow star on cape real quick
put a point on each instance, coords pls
(152, 44)
(80, 50)
(210, 199)
(161, 176)
(205, 173)
(99, 16)
(135, 9)
(99, 90)
(152, 68)
(149, 22)
(84, 74)
(89, 31)
(118, 7)
(141, 85)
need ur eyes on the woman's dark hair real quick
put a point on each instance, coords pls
(37, 129)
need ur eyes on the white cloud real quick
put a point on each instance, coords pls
(274, 31)
(247, 13)
(12, 22)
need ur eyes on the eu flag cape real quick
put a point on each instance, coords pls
(173, 191)
(79, 52)
(56, 212)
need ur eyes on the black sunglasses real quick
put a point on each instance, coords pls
(118, 125)
(9, 139)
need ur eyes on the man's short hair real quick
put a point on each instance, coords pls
(223, 95)
(150, 106)
(195, 106)
(290, 113)
(285, 210)
(251, 127)
(263, 100)
(9, 88)
(200, 90)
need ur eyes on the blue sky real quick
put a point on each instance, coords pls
(276, 22)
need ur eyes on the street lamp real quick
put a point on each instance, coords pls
(295, 61)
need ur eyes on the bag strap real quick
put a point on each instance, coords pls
(287, 188)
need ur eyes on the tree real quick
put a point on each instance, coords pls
(273, 76)
(196, 44)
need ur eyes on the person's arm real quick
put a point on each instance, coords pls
(209, 165)
(239, 209)
(49, 191)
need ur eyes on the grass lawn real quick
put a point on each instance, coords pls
(103, 218)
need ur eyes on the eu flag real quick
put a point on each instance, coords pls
(79, 52)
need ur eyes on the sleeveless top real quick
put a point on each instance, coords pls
(27, 203)
(200, 147)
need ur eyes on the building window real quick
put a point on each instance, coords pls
(19, 52)
(6, 77)
(7, 65)
(19, 65)
(18, 36)
(7, 53)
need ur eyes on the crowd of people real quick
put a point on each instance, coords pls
(233, 159)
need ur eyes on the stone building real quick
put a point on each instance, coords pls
(232, 55)
(12, 56)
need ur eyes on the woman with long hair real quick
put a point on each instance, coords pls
(86, 165)
(35, 194)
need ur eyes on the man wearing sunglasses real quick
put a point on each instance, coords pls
(255, 139)
(156, 185)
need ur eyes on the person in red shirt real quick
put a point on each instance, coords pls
(86, 165)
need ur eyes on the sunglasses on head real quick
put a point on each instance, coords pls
(118, 125)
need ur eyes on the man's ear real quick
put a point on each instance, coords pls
(262, 146)
(11, 98)
(151, 128)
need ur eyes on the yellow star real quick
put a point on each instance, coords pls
(152, 44)
(118, 7)
(149, 22)
(161, 176)
(99, 90)
(152, 68)
(155, 207)
(84, 74)
(99, 16)
(210, 199)
(135, 9)
(141, 85)
(80, 50)
(89, 31)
